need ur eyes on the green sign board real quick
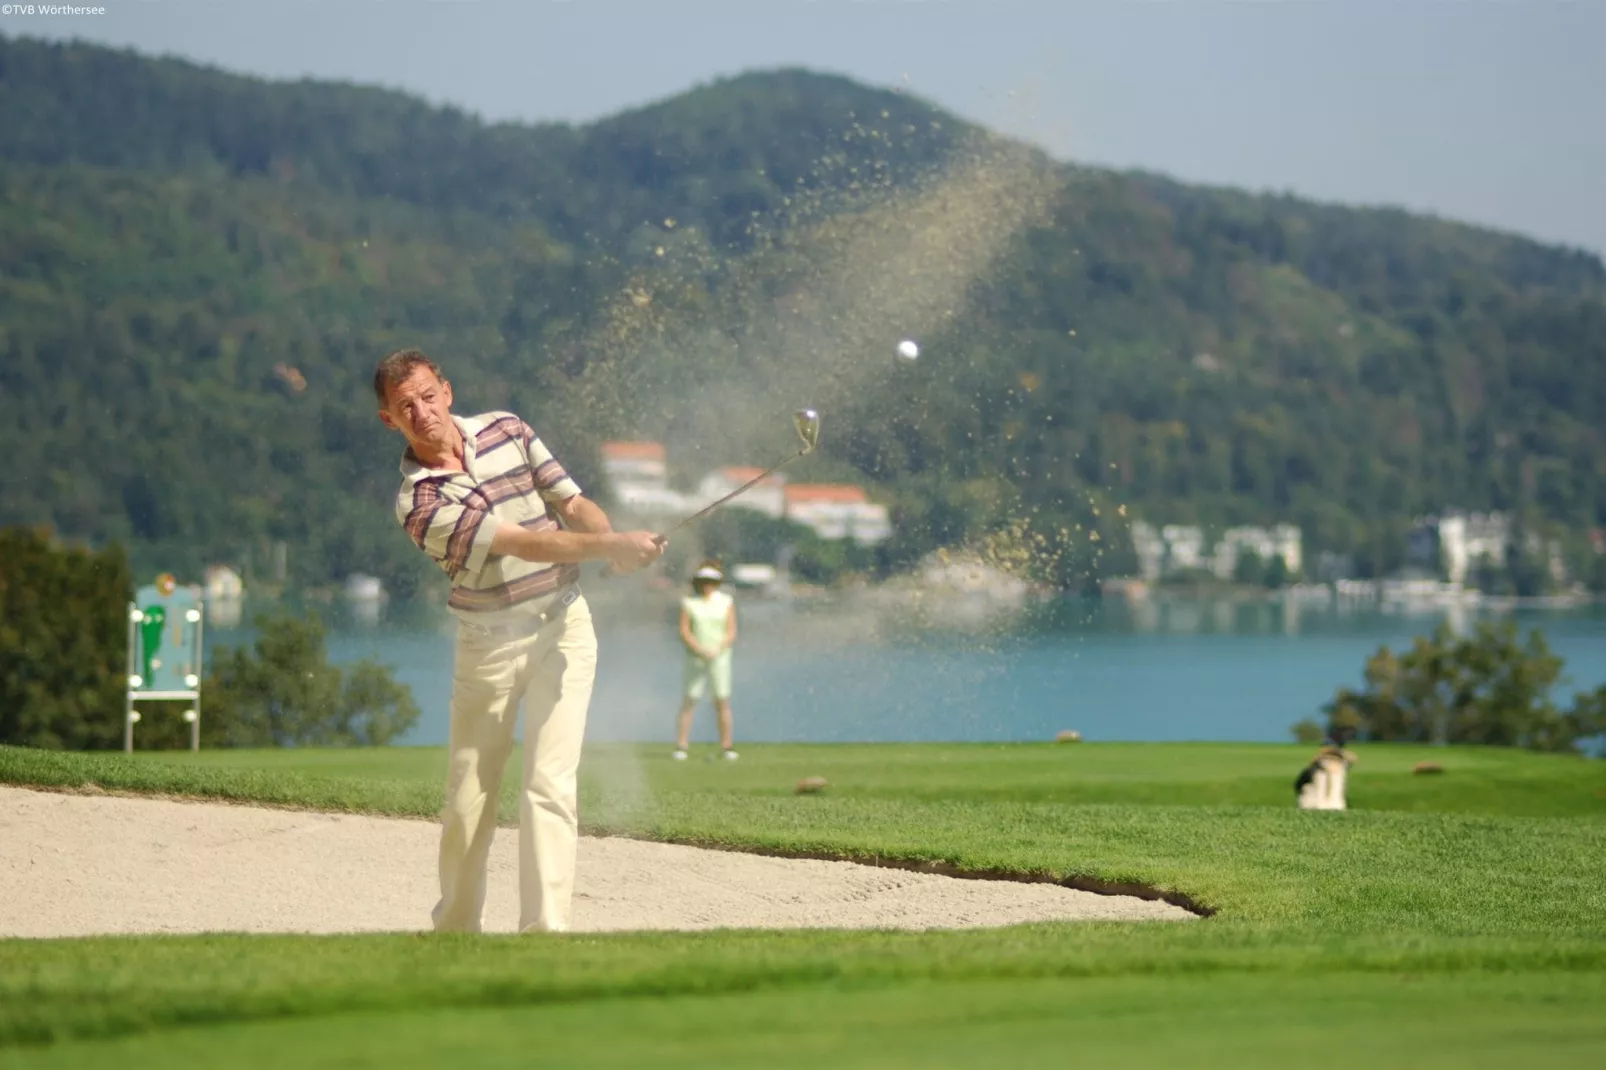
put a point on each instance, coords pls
(166, 637)
(164, 653)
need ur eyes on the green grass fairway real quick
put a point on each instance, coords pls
(1137, 1022)
(406, 780)
(1457, 919)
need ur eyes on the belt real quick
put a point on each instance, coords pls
(521, 628)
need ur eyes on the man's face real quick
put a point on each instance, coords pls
(420, 408)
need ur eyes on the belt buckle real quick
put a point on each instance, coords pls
(567, 600)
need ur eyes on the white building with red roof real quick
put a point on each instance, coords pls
(768, 497)
(837, 511)
(638, 472)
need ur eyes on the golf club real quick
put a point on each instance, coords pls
(807, 423)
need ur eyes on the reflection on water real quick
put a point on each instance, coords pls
(878, 667)
(1265, 616)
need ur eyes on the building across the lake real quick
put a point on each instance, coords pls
(1175, 548)
(837, 511)
(638, 473)
(1456, 542)
(1283, 540)
(767, 497)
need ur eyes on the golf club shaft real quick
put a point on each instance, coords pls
(608, 570)
(705, 510)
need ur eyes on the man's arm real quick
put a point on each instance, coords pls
(582, 514)
(590, 535)
(627, 551)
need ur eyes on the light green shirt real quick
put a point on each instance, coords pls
(707, 617)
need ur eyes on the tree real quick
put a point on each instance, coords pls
(1530, 577)
(1486, 688)
(284, 693)
(63, 642)
(829, 561)
(1587, 718)
(1308, 730)
(1489, 578)
(1249, 568)
(737, 534)
(1277, 575)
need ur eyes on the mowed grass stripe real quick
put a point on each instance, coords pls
(1233, 1020)
(406, 781)
(62, 989)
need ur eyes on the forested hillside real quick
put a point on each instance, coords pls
(198, 271)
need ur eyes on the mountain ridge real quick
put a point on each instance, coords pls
(23, 57)
(1195, 353)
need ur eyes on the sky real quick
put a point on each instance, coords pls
(1485, 112)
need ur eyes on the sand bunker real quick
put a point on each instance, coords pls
(77, 865)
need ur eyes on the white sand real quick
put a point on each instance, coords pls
(76, 865)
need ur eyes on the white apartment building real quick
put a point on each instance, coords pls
(1283, 540)
(1178, 547)
(768, 497)
(1168, 549)
(1184, 546)
(638, 472)
(1466, 538)
(837, 511)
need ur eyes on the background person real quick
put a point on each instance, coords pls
(708, 628)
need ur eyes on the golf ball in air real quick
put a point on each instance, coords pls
(908, 351)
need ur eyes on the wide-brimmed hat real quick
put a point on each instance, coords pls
(708, 572)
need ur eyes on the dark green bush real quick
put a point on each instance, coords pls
(283, 692)
(1487, 687)
(63, 642)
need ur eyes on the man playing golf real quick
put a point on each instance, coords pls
(486, 501)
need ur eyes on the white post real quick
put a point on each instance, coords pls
(128, 679)
(200, 675)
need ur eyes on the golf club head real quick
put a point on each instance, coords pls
(808, 428)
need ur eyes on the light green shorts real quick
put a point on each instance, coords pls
(700, 675)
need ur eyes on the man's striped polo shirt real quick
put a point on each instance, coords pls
(452, 516)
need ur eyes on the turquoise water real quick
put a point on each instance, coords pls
(847, 671)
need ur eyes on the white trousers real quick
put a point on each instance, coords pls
(551, 672)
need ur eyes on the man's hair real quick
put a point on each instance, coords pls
(396, 368)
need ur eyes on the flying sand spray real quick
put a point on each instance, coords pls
(807, 424)
(823, 280)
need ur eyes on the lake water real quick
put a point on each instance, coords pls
(864, 669)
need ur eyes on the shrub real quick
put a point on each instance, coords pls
(63, 642)
(1309, 730)
(1487, 688)
(283, 692)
